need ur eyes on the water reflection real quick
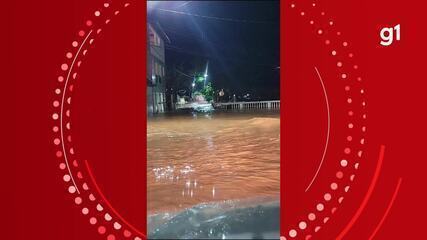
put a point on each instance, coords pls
(195, 159)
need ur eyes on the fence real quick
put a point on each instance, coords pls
(249, 105)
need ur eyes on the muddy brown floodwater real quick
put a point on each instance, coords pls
(194, 159)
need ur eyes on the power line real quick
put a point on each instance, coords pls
(184, 4)
(214, 18)
(176, 69)
(189, 52)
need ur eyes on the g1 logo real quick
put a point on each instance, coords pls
(387, 35)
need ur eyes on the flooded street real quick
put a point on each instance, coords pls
(223, 158)
(211, 158)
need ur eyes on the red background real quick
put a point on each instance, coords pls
(394, 83)
(108, 115)
(109, 107)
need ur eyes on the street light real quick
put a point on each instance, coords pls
(192, 89)
(206, 74)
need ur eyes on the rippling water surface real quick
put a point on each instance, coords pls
(212, 163)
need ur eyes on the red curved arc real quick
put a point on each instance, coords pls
(396, 191)
(108, 203)
(367, 195)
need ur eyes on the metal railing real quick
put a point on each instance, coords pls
(275, 104)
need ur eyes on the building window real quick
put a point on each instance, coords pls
(154, 38)
(157, 40)
(155, 68)
(158, 69)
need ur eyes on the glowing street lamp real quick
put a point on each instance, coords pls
(206, 73)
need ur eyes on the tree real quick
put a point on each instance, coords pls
(208, 92)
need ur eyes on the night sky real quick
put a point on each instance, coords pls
(240, 39)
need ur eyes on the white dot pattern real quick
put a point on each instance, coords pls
(106, 223)
(349, 76)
